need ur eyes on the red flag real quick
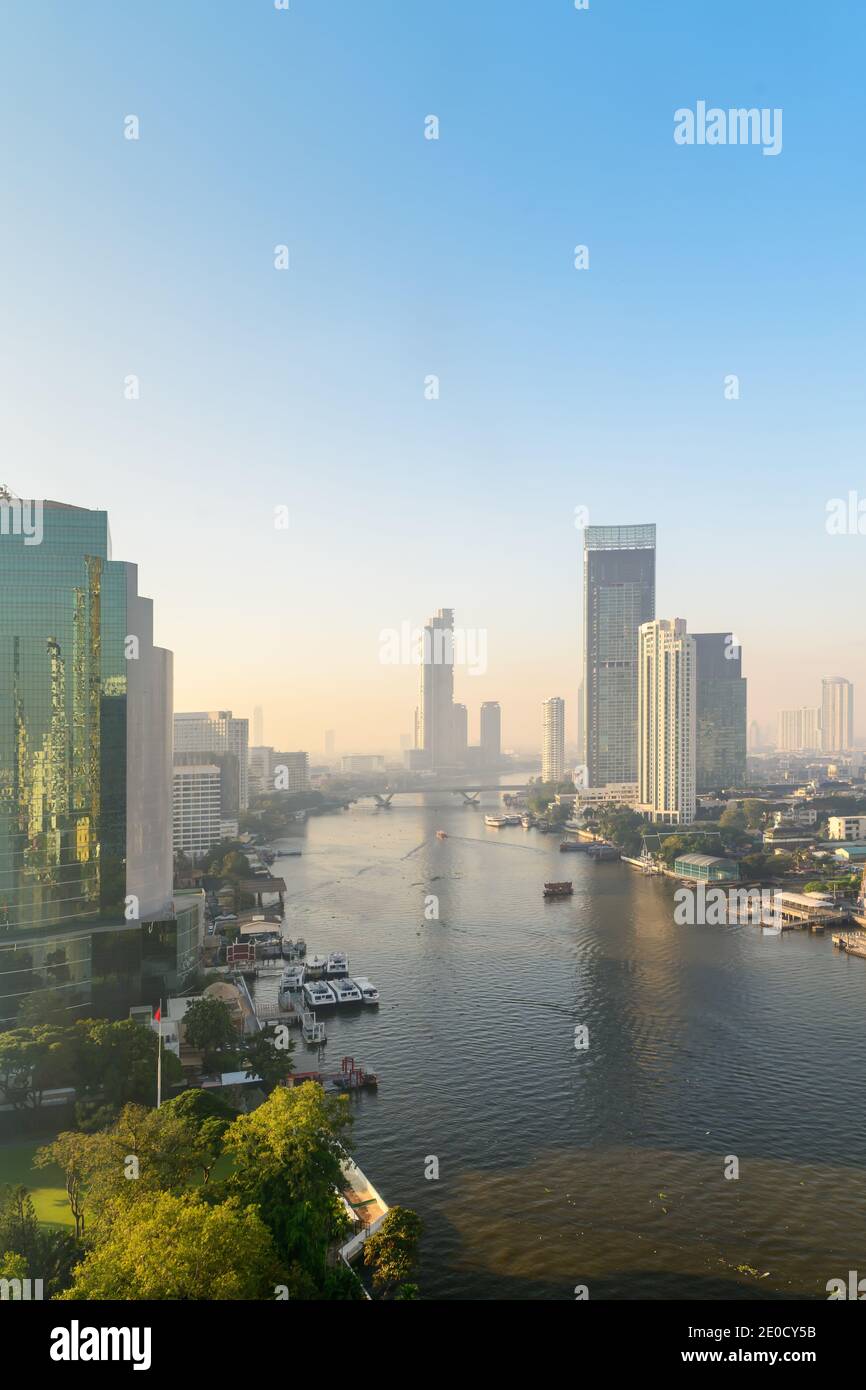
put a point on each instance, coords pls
(157, 1016)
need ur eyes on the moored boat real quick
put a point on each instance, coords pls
(292, 977)
(316, 967)
(318, 994)
(338, 964)
(496, 822)
(369, 992)
(345, 991)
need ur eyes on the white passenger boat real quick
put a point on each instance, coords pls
(292, 977)
(316, 967)
(345, 991)
(496, 821)
(318, 994)
(369, 992)
(338, 964)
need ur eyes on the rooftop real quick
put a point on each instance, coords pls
(702, 859)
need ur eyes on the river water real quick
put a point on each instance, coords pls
(602, 1167)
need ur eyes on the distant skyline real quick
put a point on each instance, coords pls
(559, 389)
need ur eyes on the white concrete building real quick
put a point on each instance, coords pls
(553, 740)
(799, 730)
(846, 827)
(614, 794)
(837, 714)
(216, 732)
(362, 762)
(667, 692)
(196, 813)
(260, 777)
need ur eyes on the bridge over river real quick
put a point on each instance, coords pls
(469, 791)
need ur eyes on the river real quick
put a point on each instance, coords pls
(602, 1167)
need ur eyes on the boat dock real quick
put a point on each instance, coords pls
(646, 866)
(802, 910)
(852, 943)
(350, 1077)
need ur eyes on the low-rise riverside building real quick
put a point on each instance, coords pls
(707, 868)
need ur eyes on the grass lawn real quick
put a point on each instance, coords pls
(44, 1184)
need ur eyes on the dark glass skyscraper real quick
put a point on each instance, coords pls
(85, 774)
(721, 712)
(619, 568)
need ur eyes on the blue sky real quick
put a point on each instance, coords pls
(558, 388)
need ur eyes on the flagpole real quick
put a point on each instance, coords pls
(159, 1059)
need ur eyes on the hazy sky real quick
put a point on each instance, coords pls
(305, 388)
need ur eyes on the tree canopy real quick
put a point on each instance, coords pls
(179, 1247)
(287, 1160)
(208, 1026)
(391, 1253)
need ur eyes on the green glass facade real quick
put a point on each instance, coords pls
(85, 757)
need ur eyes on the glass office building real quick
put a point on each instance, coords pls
(721, 712)
(619, 568)
(85, 770)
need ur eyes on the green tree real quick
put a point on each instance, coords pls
(31, 1251)
(116, 1061)
(733, 818)
(175, 1246)
(391, 1253)
(622, 827)
(91, 1116)
(19, 1228)
(13, 1266)
(75, 1154)
(57, 1254)
(198, 1106)
(287, 1161)
(268, 1054)
(671, 848)
(754, 865)
(780, 864)
(208, 1026)
(171, 1150)
(33, 1060)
